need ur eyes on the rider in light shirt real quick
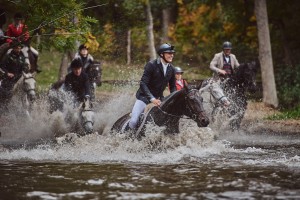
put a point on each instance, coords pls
(224, 63)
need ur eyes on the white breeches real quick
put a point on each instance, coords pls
(137, 110)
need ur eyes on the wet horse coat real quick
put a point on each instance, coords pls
(184, 103)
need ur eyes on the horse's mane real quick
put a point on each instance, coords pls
(172, 96)
(18, 83)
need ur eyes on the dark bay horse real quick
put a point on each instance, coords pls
(185, 103)
(235, 89)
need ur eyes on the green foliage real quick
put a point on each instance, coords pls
(61, 23)
(287, 114)
(288, 85)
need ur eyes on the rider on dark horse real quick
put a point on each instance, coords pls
(13, 66)
(77, 82)
(19, 31)
(157, 75)
(224, 63)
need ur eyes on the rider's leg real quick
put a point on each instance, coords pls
(137, 110)
(25, 53)
(36, 55)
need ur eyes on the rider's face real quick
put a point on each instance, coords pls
(84, 52)
(17, 49)
(168, 56)
(77, 71)
(227, 52)
(178, 76)
(18, 21)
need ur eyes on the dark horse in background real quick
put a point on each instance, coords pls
(235, 88)
(185, 103)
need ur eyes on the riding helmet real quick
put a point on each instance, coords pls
(227, 45)
(82, 46)
(76, 63)
(165, 48)
(178, 70)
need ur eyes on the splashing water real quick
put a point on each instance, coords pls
(102, 145)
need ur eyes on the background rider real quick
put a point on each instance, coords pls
(19, 30)
(224, 63)
(180, 82)
(13, 66)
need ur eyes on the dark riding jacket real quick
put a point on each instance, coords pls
(154, 82)
(78, 85)
(15, 64)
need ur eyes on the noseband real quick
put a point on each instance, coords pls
(30, 89)
(87, 120)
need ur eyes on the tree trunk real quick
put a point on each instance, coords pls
(166, 20)
(63, 67)
(128, 47)
(150, 34)
(265, 54)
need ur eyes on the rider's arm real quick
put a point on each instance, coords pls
(145, 80)
(214, 64)
(25, 32)
(9, 33)
(87, 86)
(236, 63)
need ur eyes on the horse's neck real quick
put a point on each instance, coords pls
(17, 86)
(174, 103)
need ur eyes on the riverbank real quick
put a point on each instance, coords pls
(255, 121)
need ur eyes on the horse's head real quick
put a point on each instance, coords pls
(214, 90)
(29, 85)
(247, 75)
(194, 103)
(94, 72)
(87, 116)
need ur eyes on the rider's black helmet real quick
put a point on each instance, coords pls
(76, 63)
(82, 46)
(165, 48)
(178, 70)
(227, 45)
(18, 16)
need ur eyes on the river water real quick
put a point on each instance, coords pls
(199, 163)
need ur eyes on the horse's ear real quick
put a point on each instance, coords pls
(185, 85)
(199, 86)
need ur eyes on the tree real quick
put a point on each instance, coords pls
(151, 43)
(265, 54)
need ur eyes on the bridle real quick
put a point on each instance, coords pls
(30, 89)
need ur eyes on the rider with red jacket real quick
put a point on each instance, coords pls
(19, 31)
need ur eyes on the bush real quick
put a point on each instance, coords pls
(288, 86)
